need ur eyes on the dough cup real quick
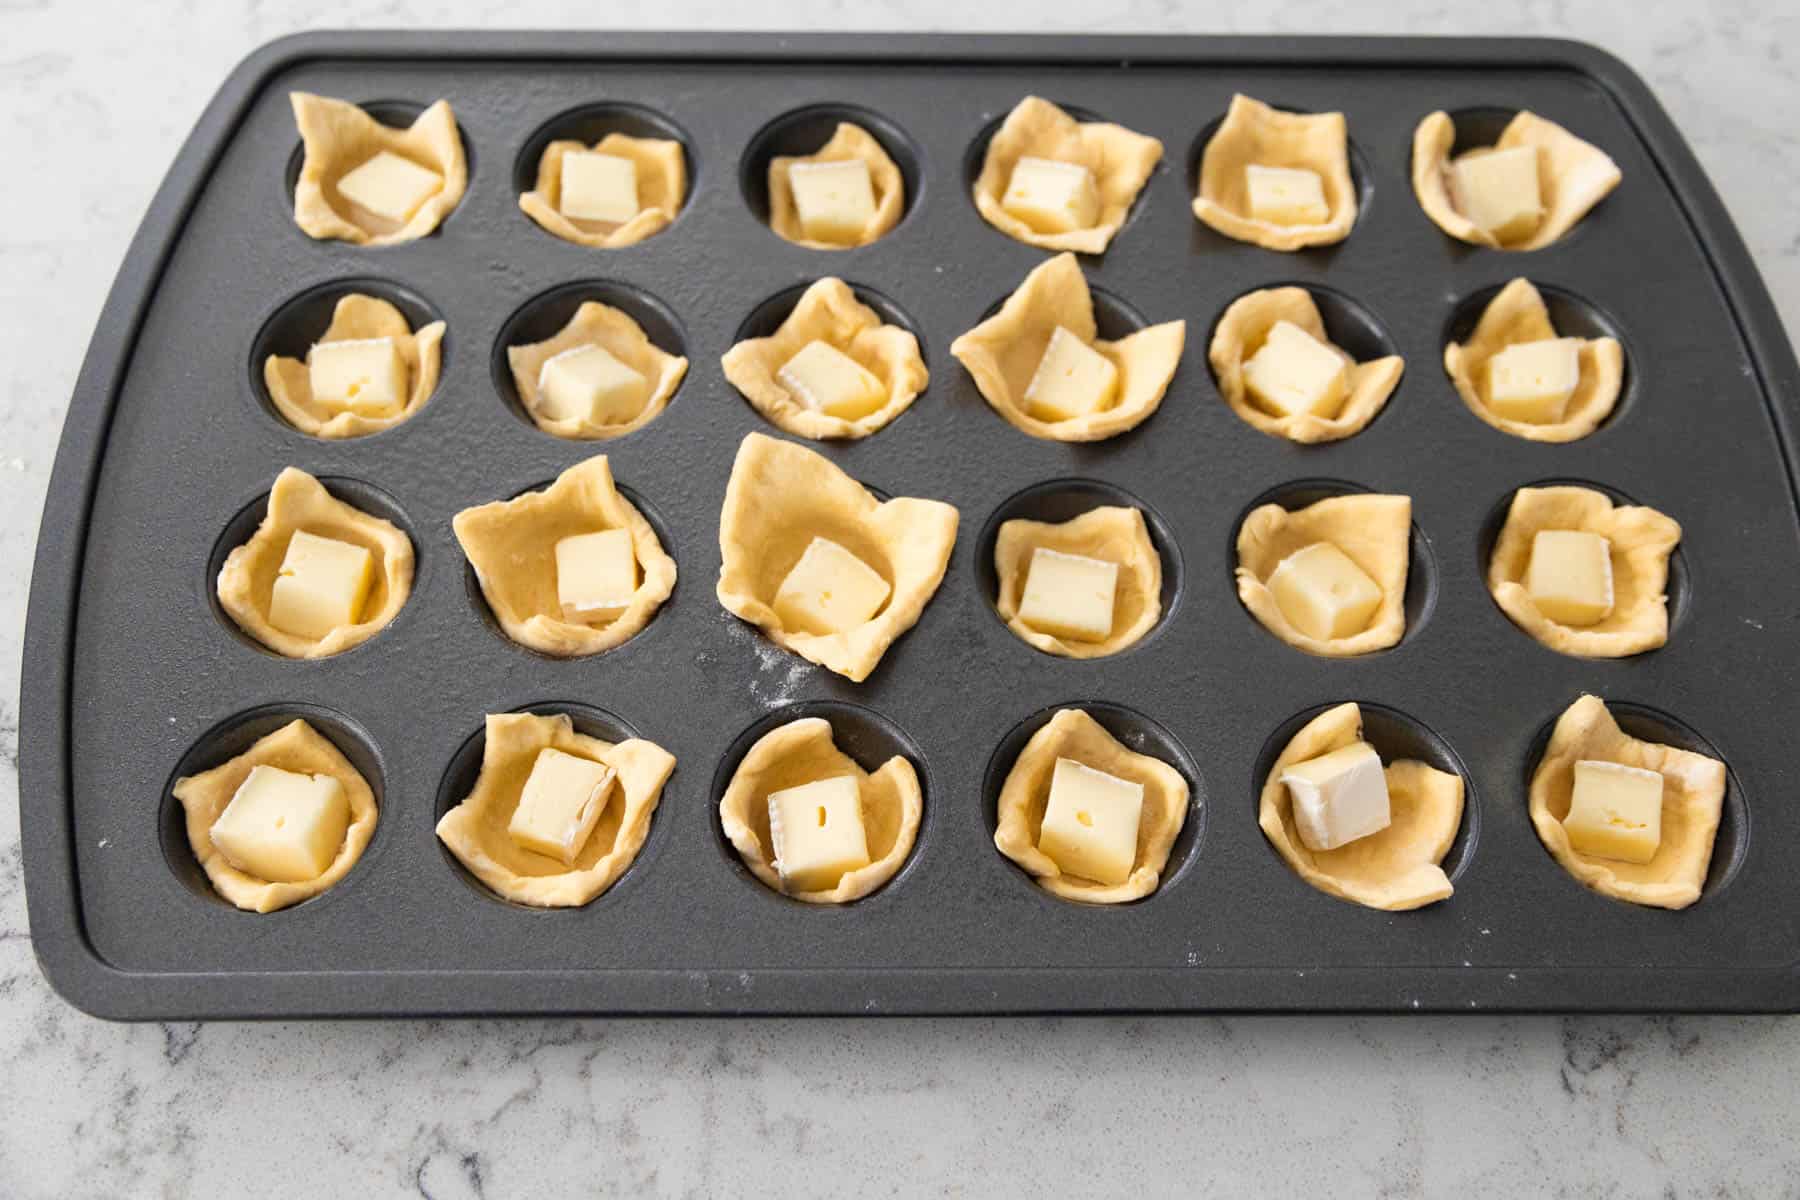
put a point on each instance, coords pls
(357, 318)
(1111, 533)
(338, 137)
(613, 330)
(1253, 133)
(1517, 313)
(1572, 175)
(848, 142)
(1374, 531)
(661, 184)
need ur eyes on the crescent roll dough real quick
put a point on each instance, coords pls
(356, 318)
(1573, 176)
(1517, 314)
(848, 142)
(1112, 534)
(1253, 133)
(597, 324)
(661, 189)
(1374, 531)
(338, 137)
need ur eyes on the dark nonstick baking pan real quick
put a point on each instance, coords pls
(132, 677)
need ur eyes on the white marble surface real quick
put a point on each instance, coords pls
(97, 98)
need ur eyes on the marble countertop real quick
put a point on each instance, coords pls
(96, 107)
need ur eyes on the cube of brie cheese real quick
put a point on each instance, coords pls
(283, 826)
(1051, 196)
(1323, 593)
(1294, 373)
(598, 187)
(1532, 381)
(1615, 811)
(562, 801)
(1286, 195)
(1498, 191)
(387, 190)
(818, 834)
(1338, 797)
(1069, 596)
(835, 201)
(827, 380)
(366, 376)
(586, 383)
(1570, 576)
(829, 590)
(322, 584)
(1090, 825)
(1072, 380)
(596, 575)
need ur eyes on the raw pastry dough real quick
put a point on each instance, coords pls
(661, 185)
(849, 141)
(475, 830)
(512, 546)
(356, 317)
(780, 497)
(597, 324)
(801, 752)
(297, 747)
(1572, 175)
(828, 312)
(1071, 733)
(1374, 531)
(1693, 797)
(1241, 333)
(299, 502)
(1115, 534)
(339, 137)
(1254, 133)
(1517, 314)
(1120, 160)
(1395, 869)
(1642, 540)
(1002, 354)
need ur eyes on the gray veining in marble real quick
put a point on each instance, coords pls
(97, 99)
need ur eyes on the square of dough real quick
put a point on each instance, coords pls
(848, 141)
(597, 324)
(1112, 533)
(339, 137)
(1255, 134)
(357, 318)
(1374, 531)
(1573, 176)
(661, 190)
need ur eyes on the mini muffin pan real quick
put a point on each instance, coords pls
(133, 677)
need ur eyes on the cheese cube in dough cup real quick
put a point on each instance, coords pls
(1051, 196)
(1069, 596)
(598, 187)
(827, 380)
(389, 188)
(1286, 195)
(322, 585)
(1338, 797)
(1532, 381)
(563, 798)
(596, 575)
(834, 200)
(1498, 191)
(829, 590)
(586, 383)
(818, 835)
(1570, 576)
(1072, 380)
(1090, 825)
(1615, 811)
(283, 826)
(1294, 373)
(1322, 591)
(360, 375)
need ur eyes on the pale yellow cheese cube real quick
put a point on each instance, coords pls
(835, 201)
(598, 187)
(561, 803)
(1338, 797)
(322, 585)
(1293, 373)
(1072, 380)
(1051, 196)
(586, 383)
(1286, 195)
(1532, 381)
(829, 590)
(1615, 811)
(1498, 191)
(818, 833)
(1323, 593)
(361, 375)
(596, 575)
(1090, 825)
(1570, 576)
(283, 826)
(1069, 595)
(827, 380)
(389, 189)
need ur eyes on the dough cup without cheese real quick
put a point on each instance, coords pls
(339, 137)
(1374, 531)
(661, 184)
(1516, 314)
(1573, 176)
(1110, 533)
(613, 330)
(357, 318)
(1253, 133)
(849, 141)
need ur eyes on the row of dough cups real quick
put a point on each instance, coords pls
(871, 739)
